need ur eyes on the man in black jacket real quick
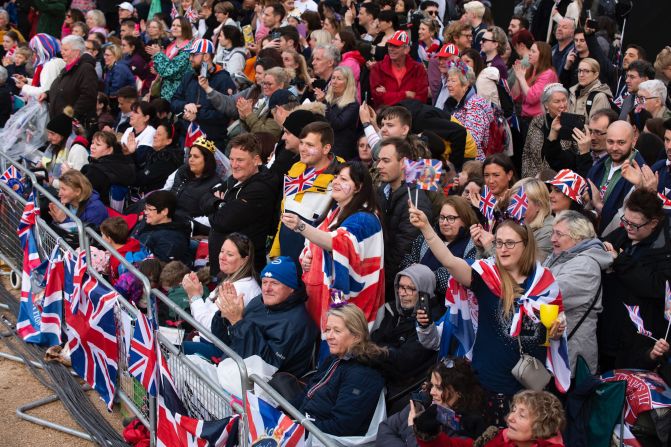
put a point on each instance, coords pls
(245, 203)
(393, 197)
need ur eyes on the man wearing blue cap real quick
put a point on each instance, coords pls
(190, 100)
(274, 325)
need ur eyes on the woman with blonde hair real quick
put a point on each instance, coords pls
(319, 37)
(95, 20)
(342, 112)
(589, 94)
(116, 74)
(342, 395)
(539, 215)
(509, 287)
(77, 194)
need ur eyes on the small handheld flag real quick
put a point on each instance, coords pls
(487, 204)
(635, 315)
(424, 173)
(517, 208)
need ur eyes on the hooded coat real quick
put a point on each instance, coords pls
(113, 169)
(578, 272)
(283, 335)
(408, 359)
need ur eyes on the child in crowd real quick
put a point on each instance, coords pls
(115, 232)
(171, 282)
(22, 55)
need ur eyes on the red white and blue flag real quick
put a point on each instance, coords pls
(174, 429)
(142, 354)
(267, 422)
(542, 289)
(487, 204)
(517, 208)
(305, 180)
(635, 316)
(91, 331)
(52, 306)
(666, 202)
(13, 178)
(667, 302)
(424, 173)
(193, 132)
(462, 307)
(28, 322)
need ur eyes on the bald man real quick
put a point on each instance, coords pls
(609, 189)
(564, 34)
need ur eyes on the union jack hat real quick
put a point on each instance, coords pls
(399, 39)
(448, 50)
(570, 184)
(202, 46)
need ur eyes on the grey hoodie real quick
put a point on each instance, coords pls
(422, 277)
(578, 272)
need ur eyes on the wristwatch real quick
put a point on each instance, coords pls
(366, 125)
(300, 227)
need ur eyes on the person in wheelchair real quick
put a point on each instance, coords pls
(408, 360)
(455, 391)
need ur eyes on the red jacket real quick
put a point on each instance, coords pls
(131, 246)
(415, 80)
(501, 440)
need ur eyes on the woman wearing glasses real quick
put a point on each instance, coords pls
(455, 218)
(500, 284)
(653, 95)
(589, 94)
(641, 249)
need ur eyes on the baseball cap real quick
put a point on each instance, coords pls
(448, 50)
(399, 39)
(127, 6)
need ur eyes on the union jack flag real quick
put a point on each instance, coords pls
(193, 132)
(635, 316)
(518, 205)
(28, 323)
(424, 173)
(91, 331)
(174, 429)
(462, 307)
(487, 204)
(265, 421)
(666, 202)
(142, 354)
(294, 185)
(667, 302)
(52, 305)
(14, 179)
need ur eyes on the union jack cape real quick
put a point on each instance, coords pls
(91, 332)
(265, 421)
(355, 267)
(175, 429)
(543, 289)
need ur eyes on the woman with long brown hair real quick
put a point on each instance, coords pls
(532, 80)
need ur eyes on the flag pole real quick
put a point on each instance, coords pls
(667, 330)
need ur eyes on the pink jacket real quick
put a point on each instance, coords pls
(531, 105)
(353, 60)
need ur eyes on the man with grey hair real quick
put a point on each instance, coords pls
(577, 260)
(564, 35)
(609, 188)
(76, 85)
(324, 60)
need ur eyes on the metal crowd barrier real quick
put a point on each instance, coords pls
(212, 401)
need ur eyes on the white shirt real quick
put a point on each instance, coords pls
(307, 5)
(146, 137)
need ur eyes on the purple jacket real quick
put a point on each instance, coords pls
(500, 65)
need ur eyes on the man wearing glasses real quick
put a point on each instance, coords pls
(608, 187)
(639, 71)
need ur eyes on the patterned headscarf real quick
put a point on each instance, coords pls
(45, 47)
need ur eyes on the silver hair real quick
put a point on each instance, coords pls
(3, 12)
(551, 89)
(579, 226)
(75, 43)
(330, 52)
(467, 78)
(3, 75)
(655, 87)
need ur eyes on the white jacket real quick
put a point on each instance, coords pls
(50, 72)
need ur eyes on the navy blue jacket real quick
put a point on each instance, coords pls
(211, 121)
(93, 211)
(345, 401)
(168, 241)
(283, 335)
(617, 195)
(116, 77)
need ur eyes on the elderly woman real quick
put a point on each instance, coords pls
(455, 218)
(330, 259)
(589, 94)
(116, 74)
(652, 94)
(640, 249)
(95, 20)
(342, 112)
(577, 260)
(473, 111)
(172, 64)
(536, 419)
(545, 126)
(258, 117)
(342, 395)
(452, 386)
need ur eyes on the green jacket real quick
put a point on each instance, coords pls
(171, 72)
(178, 296)
(52, 15)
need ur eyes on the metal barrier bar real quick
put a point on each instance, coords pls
(21, 413)
(293, 412)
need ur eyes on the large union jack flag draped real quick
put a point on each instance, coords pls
(142, 354)
(91, 331)
(305, 180)
(174, 429)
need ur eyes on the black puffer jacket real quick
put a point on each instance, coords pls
(168, 241)
(638, 278)
(344, 123)
(76, 87)
(248, 208)
(113, 169)
(189, 191)
(155, 169)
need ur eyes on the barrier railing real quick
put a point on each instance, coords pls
(213, 401)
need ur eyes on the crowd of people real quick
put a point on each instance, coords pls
(252, 159)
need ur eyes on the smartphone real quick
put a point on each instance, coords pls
(204, 69)
(593, 24)
(421, 400)
(275, 35)
(570, 121)
(423, 304)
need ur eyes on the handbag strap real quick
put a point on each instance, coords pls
(591, 306)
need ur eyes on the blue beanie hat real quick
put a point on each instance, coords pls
(283, 269)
